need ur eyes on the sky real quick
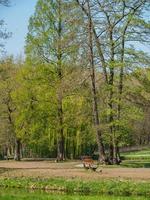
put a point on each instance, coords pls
(16, 19)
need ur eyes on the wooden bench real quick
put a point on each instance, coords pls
(88, 163)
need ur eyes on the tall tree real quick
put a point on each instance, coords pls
(51, 40)
(101, 150)
(116, 25)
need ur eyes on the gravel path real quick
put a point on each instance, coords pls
(47, 169)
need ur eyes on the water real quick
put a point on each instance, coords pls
(13, 194)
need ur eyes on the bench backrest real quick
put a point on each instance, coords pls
(88, 160)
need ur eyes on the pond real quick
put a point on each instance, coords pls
(13, 194)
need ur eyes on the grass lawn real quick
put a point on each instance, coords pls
(137, 155)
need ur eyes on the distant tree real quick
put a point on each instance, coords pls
(140, 96)
(7, 131)
(3, 32)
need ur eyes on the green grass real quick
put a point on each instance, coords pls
(137, 155)
(135, 164)
(108, 187)
(131, 164)
(28, 195)
(142, 152)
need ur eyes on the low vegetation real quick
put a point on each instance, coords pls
(111, 187)
(39, 195)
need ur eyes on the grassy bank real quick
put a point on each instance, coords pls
(111, 187)
(18, 194)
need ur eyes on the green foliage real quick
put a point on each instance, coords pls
(43, 38)
(7, 85)
(49, 98)
(36, 117)
(107, 187)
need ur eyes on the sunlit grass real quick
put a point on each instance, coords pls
(143, 155)
(26, 195)
(69, 186)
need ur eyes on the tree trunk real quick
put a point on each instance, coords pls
(113, 158)
(111, 152)
(101, 150)
(60, 150)
(61, 142)
(118, 155)
(17, 150)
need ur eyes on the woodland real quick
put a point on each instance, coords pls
(84, 85)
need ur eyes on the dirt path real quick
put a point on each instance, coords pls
(47, 169)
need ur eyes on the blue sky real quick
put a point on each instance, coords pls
(16, 18)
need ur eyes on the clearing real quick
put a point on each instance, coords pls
(48, 169)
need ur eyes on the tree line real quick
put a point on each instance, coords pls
(83, 88)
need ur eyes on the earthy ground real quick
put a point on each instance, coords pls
(47, 169)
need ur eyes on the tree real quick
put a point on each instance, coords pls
(140, 96)
(101, 149)
(51, 40)
(7, 133)
(3, 33)
(114, 25)
(84, 84)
